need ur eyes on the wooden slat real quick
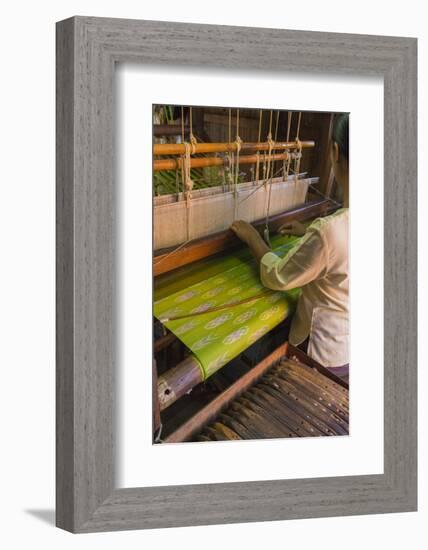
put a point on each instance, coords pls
(284, 402)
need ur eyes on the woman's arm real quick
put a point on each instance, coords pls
(247, 233)
(304, 263)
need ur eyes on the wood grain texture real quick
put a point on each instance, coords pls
(87, 49)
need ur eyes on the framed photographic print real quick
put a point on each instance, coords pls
(236, 274)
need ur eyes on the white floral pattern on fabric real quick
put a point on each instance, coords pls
(257, 334)
(235, 290)
(243, 317)
(218, 362)
(186, 296)
(219, 281)
(244, 277)
(190, 325)
(218, 321)
(235, 336)
(202, 307)
(213, 292)
(249, 304)
(203, 342)
(269, 313)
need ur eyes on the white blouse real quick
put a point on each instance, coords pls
(319, 265)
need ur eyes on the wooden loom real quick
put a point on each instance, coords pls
(183, 373)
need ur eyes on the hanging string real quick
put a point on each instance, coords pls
(192, 138)
(177, 179)
(179, 247)
(238, 143)
(230, 126)
(276, 137)
(258, 152)
(318, 192)
(298, 125)
(298, 155)
(266, 231)
(297, 158)
(271, 145)
(287, 162)
(182, 124)
(230, 153)
(270, 148)
(276, 125)
(257, 177)
(290, 116)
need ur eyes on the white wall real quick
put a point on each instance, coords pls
(27, 270)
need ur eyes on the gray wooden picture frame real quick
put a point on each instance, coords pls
(87, 51)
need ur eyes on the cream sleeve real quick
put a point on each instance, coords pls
(304, 263)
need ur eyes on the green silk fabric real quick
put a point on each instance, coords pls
(216, 337)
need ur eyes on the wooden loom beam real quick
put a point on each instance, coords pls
(201, 162)
(177, 381)
(194, 424)
(169, 129)
(180, 149)
(208, 246)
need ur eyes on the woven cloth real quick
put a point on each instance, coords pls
(216, 337)
(249, 204)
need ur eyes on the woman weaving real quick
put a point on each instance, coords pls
(319, 266)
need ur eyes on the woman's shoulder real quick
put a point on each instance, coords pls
(331, 229)
(326, 223)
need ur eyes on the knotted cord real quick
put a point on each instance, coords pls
(286, 162)
(269, 176)
(238, 143)
(258, 152)
(270, 147)
(297, 157)
(230, 153)
(276, 136)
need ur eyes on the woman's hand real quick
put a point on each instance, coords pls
(244, 231)
(249, 235)
(294, 228)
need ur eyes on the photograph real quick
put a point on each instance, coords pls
(250, 273)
